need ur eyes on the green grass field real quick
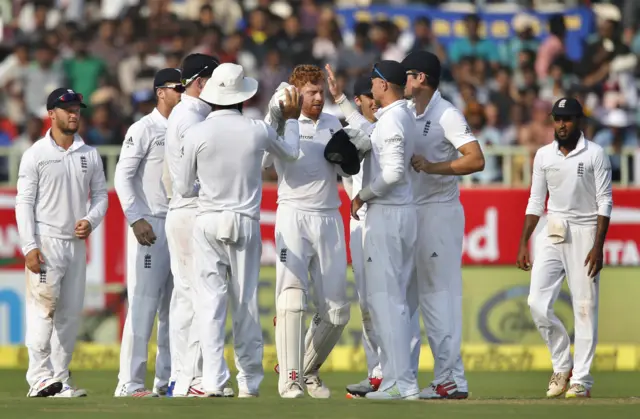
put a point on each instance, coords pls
(509, 395)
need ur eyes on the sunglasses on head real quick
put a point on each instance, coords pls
(186, 82)
(70, 97)
(174, 86)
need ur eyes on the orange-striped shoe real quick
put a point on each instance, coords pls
(577, 391)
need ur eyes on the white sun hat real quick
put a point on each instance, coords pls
(228, 86)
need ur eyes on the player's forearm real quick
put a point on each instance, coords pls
(530, 223)
(25, 220)
(98, 207)
(464, 165)
(288, 146)
(601, 232)
(127, 197)
(389, 176)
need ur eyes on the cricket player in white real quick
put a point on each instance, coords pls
(445, 150)
(225, 153)
(577, 175)
(58, 174)
(365, 120)
(186, 355)
(310, 238)
(390, 230)
(138, 183)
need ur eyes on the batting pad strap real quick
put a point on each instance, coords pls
(323, 334)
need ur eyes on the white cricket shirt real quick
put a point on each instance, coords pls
(138, 177)
(225, 153)
(310, 183)
(184, 115)
(54, 189)
(387, 178)
(579, 184)
(442, 130)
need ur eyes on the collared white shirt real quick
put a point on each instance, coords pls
(310, 183)
(442, 130)
(138, 176)
(54, 187)
(184, 115)
(387, 177)
(225, 153)
(579, 184)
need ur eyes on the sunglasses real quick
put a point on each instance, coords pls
(413, 73)
(378, 73)
(70, 97)
(177, 87)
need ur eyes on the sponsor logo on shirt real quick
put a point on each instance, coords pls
(306, 137)
(44, 163)
(158, 143)
(394, 139)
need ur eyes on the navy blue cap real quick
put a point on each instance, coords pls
(63, 97)
(390, 71)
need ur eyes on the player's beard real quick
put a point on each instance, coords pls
(572, 137)
(67, 130)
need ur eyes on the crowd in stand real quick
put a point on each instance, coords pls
(110, 51)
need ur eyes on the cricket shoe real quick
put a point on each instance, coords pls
(558, 384)
(162, 390)
(245, 394)
(316, 388)
(392, 393)
(363, 387)
(172, 385)
(577, 391)
(448, 390)
(293, 390)
(140, 393)
(69, 391)
(227, 391)
(46, 387)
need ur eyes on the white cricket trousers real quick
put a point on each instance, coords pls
(389, 253)
(438, 280)
(311, 245)
(227, 251)
(370, 340)
(186, 354)
(149, 288)
(552, 262)
(54, 303)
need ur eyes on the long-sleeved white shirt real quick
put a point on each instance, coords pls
(138, 176)
(442, 130)
(387, 178)
(187, 113)
(579, 184)
(310, 183)
(225, 153)
(54, 189)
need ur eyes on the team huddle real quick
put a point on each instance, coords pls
(189, 179)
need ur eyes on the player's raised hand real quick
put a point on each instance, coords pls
(34, 261)
(594, 261)
(332, 83)
(524, 260)
(83, 229)
(292, 105)
(144, 232)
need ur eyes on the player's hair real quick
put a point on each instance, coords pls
(306, 73)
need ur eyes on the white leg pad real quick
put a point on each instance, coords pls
(290, 307)
(322, 336)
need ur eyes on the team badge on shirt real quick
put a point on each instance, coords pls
(580, 169)
(83, 164)
(427, 125)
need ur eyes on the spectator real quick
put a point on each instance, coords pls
(619, 133)
(382, 37)
(294, 44)
(41, 78)
(424, 40)
(105, 47)
(472, 45)
(558, 82)
(84, 71)
(487, 137)
(552, 46)
(131, 66)
(31, 134)
(326, 43)
(358, 59)
(539, 131)
(524, 40)
(103, 130)
(502, 96)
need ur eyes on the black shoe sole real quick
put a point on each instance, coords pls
(51, 390)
